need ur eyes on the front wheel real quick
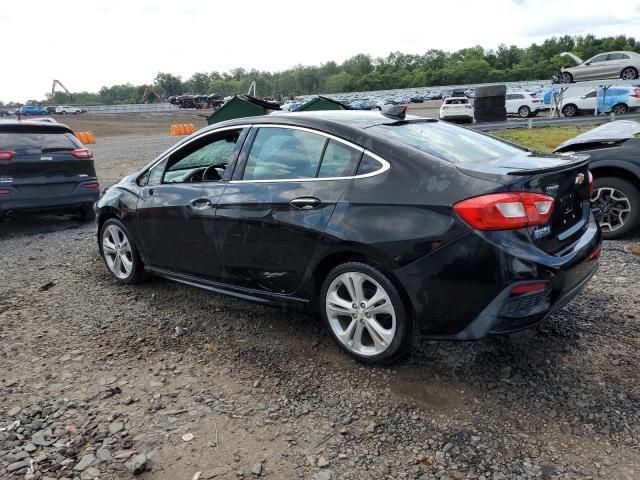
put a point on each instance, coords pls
(363, 312)
(565, 77)
(119, 252)
(616, 205)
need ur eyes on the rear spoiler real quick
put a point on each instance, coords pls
(579, 160)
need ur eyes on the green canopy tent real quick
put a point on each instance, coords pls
(321, 103)
(242, 106)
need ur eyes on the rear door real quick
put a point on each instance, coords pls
(43, 161)
(272, 216)
(594, 69)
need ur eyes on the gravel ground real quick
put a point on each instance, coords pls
(167, 381)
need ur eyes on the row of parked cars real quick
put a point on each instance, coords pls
(32, 110)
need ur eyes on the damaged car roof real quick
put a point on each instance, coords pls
(618, 130)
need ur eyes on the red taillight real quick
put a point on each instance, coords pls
(92, 186)
(6, 154)
(590, 184)
(635, 93)
(535, 100)
(82, 153)
(4, 191)
(506, 211)
(528, 288)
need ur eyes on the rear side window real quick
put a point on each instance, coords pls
(284, 153)
(38, 142)
(448, 142)
(339, 160)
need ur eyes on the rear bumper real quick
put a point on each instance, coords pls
(457, 118)
(463, 291)
(22, 205)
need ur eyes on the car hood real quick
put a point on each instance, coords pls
(613, 131)
(575, 58)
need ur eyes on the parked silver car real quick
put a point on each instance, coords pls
(624, 65)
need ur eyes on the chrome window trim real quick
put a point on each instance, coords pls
(383, 168)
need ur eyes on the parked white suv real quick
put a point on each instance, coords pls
(618, 100)
(63, 109)
(523, 104)
(456, 110)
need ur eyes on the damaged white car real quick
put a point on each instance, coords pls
(624, 65)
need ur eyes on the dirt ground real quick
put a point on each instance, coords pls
(167, 381)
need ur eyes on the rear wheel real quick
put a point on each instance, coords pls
(524, 112)
(570, 110)
(363, 312)
(620, 109)
(119, 252)
(629, 73)
(616, 205)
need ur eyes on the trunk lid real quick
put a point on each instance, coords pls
(566, 179)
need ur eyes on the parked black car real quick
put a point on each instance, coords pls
(4, 113)
(614, 151)
(45, 168)
(385, 225)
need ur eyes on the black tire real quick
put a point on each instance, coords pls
(137, 273)
(629, 73)
(620, 109)
(86, 215)
(491, 91)
(565, 77)
(402, 340)
(490, 114)
(524, 112)
(631, 192)
(489, 102)
(570, 110)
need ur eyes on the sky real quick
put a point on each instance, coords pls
(87, 45)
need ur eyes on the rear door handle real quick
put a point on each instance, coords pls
(201, 204)
(305, 203)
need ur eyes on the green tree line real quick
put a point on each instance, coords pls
(362, 72)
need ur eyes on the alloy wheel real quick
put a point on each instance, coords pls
(524, 112)
(117, 251)
(620, 109)
(611, 207)
(565, 78)
(360, 313)
(569, 111)
(629, 74)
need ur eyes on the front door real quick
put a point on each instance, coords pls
(272, 216)
(178, 202)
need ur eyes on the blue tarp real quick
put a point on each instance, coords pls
(614, 96)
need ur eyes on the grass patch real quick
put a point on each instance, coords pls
(541, 139)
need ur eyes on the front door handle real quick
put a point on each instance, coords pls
(305, 203)
(201, 204)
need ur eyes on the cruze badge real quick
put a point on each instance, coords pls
(580, 179)
(552, 189)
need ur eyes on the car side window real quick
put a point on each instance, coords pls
(599, 58)
(284, 153)
(590, 94)
(203, 160)
(368, 164)
(338, 160)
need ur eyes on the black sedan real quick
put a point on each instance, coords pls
(614, 152)
(387, 226)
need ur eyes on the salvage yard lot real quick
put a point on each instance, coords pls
(265, 390)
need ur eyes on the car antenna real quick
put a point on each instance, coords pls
(398, 112)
